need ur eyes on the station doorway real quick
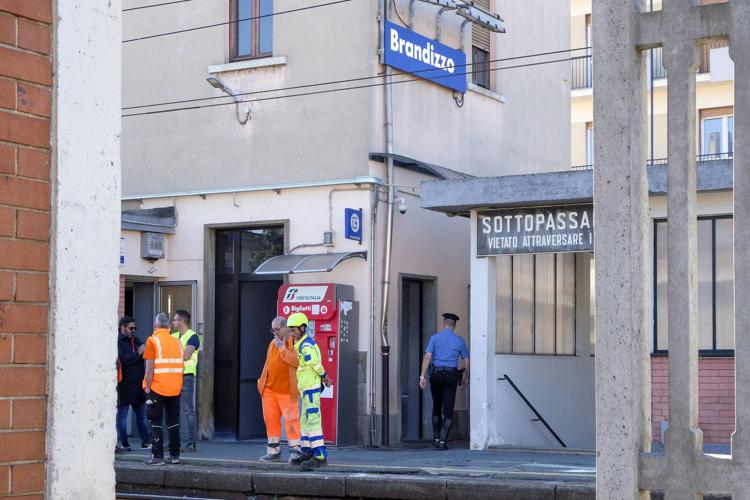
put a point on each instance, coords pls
(417, 323)
(245, 305)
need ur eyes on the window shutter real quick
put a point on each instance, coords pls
(480, 36)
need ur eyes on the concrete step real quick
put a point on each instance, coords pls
(290, 482)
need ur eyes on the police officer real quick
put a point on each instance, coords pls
(443, 350)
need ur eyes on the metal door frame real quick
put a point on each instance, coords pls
(194, 301)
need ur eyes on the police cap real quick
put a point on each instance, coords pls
(450, 316)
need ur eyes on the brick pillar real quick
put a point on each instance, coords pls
(121, 305)
(25, 89)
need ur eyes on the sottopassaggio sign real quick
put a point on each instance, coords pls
(535, 230)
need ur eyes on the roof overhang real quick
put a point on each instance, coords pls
(420, 167)
(310, 263)
(460, 196)
(149, 220)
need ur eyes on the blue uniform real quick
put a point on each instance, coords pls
(446, 347)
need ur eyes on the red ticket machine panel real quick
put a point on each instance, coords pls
(318, 302)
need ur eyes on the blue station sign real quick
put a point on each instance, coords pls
(424, 57)
(353, 224)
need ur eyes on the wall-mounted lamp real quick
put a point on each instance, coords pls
(219, 84)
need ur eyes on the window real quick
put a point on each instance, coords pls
(535, 304)
(715, 286)
(480, 50)
(480, 70)
(259, 245)
(717, 133)
(589, 144)
(251, 29)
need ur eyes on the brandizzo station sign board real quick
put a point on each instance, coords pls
(424, 57)
(535, 230)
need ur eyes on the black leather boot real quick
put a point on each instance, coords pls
(435, 431)
(444, 433)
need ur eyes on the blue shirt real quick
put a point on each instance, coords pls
(446, 347)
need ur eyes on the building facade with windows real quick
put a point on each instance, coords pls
(714, 141)
(211, 193)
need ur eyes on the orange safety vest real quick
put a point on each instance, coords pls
(168, 364)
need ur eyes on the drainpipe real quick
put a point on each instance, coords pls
(373, 315)
(439, 15)
(385, 348)
(463, 38)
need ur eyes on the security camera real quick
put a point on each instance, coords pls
(402, 206)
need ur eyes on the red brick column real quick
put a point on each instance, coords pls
(25, 93)
(715, 397)
(121, 304)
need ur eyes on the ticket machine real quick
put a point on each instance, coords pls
(334, 320)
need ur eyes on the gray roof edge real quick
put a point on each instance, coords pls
(146, 228)
(457, 196)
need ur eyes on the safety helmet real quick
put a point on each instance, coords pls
(296, 319)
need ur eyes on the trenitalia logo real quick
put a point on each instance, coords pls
(424, 57)
(305, 294)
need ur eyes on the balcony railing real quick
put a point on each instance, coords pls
(581, 72)
(663, 161)
(658, 63)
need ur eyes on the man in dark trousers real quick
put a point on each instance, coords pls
(443, 350)
(129, 389)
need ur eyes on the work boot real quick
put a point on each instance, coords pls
(295, 456)
(435, 431)
(315, 462)
(154, 461)
(271, 457)
(444, 434)
(301, 458)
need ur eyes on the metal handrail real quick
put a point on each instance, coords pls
(538, 418)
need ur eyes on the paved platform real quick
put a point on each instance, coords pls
(232, 470)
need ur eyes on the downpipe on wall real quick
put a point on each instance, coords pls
(385, 348)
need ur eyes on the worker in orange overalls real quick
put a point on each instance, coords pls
(163, 384)
(278, 390)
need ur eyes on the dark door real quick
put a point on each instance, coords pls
(411, 345)
(245, 306)
(257, 310)
(143, 309)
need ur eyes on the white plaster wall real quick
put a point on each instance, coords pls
(135, 265)
(426, 243)
(307, 213)
(288, 139)
(84, 250)
(534, 132)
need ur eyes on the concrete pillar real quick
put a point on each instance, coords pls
(684, 440)
(740, 51)
(622, 270)
(481, 346)
(85, 246)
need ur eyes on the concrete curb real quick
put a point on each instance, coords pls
(211, 481)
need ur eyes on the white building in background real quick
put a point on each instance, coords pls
(231, 185)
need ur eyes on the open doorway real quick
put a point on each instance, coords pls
(245, 305)
(418, 313)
